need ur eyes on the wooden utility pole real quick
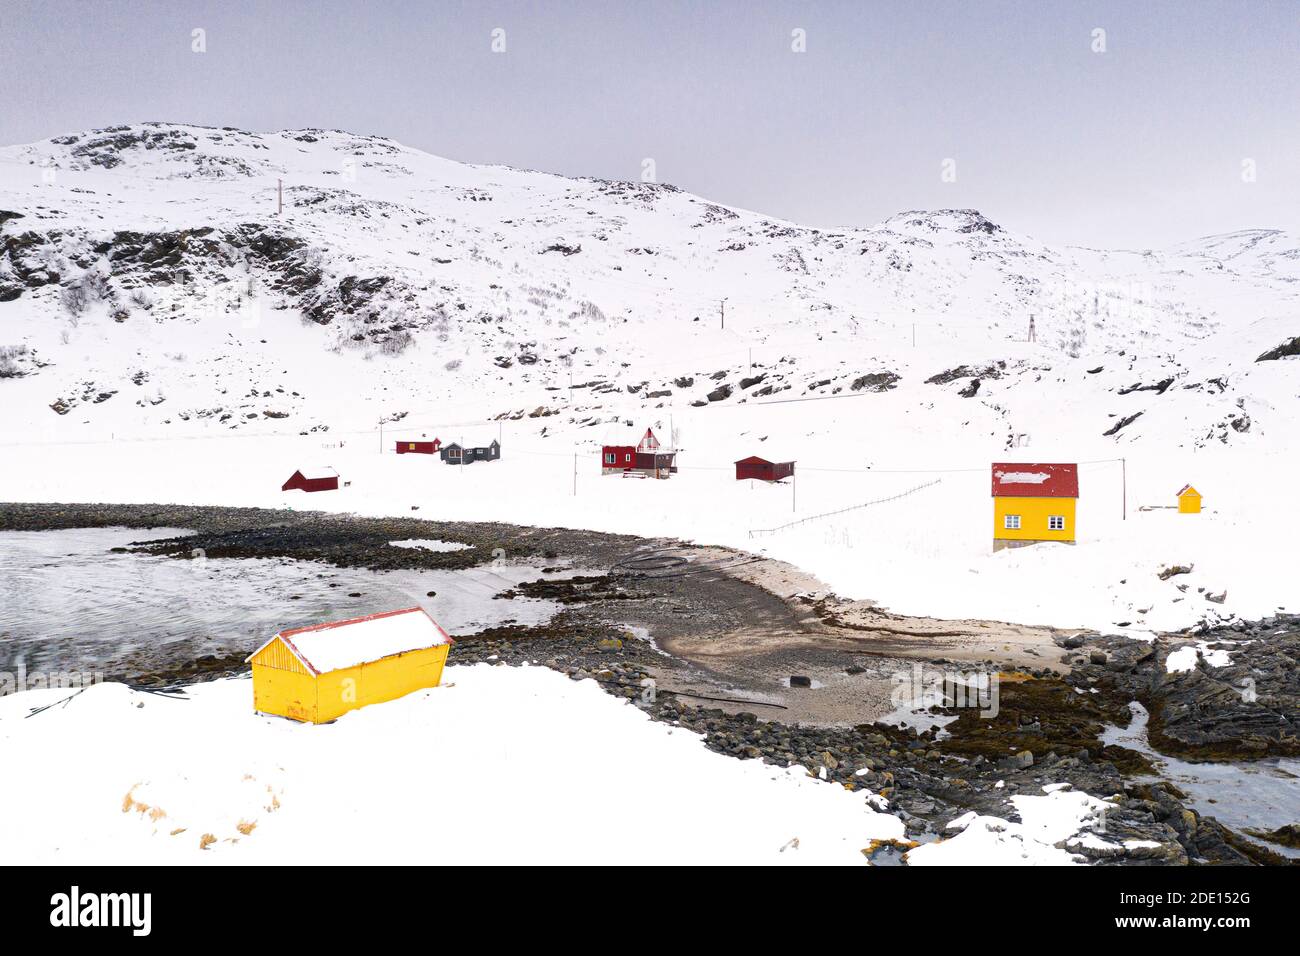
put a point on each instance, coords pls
(381, 436)
(279, 197)
(722, 311)
(1033, 336)
(1123, 466)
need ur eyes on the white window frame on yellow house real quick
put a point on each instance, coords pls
(1056, 522)
(1011, 522)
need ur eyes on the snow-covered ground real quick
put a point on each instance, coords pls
(498, 765)
(168, 337)
(1059, 816)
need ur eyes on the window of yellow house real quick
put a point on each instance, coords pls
(1056, 523)
(1011, 522)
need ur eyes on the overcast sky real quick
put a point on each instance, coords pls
(1150, 142)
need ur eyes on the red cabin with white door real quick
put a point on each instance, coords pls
(644, 458)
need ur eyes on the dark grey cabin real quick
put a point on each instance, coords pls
(455, 454)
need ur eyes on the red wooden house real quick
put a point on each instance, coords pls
(419, 447)
(312, 479)
(645, 458)
(762, 469)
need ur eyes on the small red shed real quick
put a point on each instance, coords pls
(312, 479)
(762, 469)
(419, 447)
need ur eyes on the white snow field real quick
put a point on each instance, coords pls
(498, 765)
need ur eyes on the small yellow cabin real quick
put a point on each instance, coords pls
(317, 674)
(1189, 501)
(1033, 503)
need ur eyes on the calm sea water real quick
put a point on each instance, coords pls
(68, 602)
(1248, 795)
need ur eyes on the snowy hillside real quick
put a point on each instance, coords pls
(150, 293)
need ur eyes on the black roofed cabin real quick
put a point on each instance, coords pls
(456, 454)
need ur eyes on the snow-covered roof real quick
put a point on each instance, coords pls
(1023, 480)
(329, 647)
(319, 471)
(1188, 489)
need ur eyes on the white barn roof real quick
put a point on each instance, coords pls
(329, 647)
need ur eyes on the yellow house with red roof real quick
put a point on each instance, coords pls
(1033, 503)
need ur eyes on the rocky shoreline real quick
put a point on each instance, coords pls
(1245, 709)
(1046, 731)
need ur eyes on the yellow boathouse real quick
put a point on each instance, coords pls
(1189, 501)
(316, 674)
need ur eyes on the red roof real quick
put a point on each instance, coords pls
(1023, 480)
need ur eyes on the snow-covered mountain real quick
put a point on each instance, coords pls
(155, 305)
(147, 281)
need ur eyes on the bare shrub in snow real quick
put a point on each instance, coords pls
(73, 299)
(397, 343)
(592, 312)
(97, 286)
(76, 296)
(452, 365)
(9, 355)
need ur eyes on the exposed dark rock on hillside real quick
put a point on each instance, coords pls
(1282, 351)
(876, 382)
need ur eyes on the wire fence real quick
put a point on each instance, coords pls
(754, 532)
